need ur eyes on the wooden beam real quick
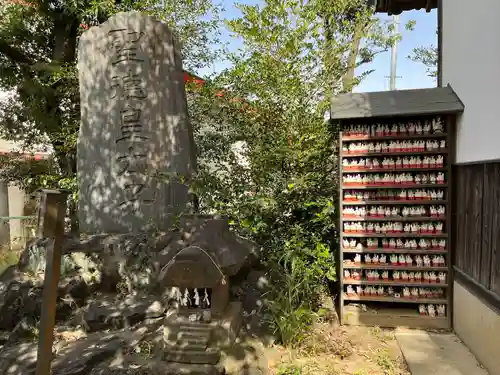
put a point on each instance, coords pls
(50, 225)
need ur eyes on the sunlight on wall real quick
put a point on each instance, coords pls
(471, 55)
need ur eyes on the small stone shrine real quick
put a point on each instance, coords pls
(195, 277)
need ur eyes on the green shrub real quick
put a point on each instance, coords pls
(289, 369)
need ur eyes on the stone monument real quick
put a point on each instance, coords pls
(135, 146)
(135, 157)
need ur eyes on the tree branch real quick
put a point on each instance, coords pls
(14, 54)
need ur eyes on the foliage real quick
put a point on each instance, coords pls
(428, 56)
(289, 369)
(38, 42)
(267, 158)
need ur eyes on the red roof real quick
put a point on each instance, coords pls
(199, 82)
(191, 78)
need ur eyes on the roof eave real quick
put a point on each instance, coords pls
(432, 101)
(395, 7)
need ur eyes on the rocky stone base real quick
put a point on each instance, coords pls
(229, 326)
(108, 290)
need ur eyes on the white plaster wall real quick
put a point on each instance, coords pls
(16, 208)
(6, 146)
(471, 65)
(478, 326)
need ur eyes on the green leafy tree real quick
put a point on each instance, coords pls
(38, 44)
(427, 56)
(267, 157)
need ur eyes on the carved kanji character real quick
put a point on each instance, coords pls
(127, 86)
(126, 45)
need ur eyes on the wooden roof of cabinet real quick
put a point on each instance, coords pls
(438, 101)
(398, 6)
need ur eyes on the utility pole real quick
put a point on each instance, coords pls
(394, 53)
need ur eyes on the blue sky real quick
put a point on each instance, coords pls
(413, 74)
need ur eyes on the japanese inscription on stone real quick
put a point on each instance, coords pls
(132, 163)
(134, 126)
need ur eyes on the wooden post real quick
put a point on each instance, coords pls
(50, 225)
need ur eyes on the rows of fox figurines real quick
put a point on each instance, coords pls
(404, 292)
(431, 310)
(394, 194)
(394, 163)
(393, 146)
(393, 243)
(434, 126)
(399, 260)
(356, 227)
(396, 276)
(378, 212)
(393, 179)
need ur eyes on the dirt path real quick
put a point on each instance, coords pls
(334, 350)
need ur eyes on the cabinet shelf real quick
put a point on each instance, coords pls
(380, 250)
(349, 138)
(392, 318)
(443, 151)
(387, 267)
(410, 284)
(395, 235)
(392, 170)
(395, 218)
(394, 202)
(393, 186)
(394, 299)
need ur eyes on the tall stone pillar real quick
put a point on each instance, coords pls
(4, 212)
(135, 146)
(16, 209)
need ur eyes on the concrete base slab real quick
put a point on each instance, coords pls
(433, 353)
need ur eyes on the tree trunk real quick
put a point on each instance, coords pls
(64, 50)
(348, 78)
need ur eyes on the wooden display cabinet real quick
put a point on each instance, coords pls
(395, 261)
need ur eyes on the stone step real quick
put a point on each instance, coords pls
(173, 368)
(193, 344)
(184, 319)
(179, 322)
(199, 342)
(185, 346)
(196, 327)
(210, 356)
(175, 333)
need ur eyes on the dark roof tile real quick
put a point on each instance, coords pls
(438, 100)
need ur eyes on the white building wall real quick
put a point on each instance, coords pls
(12, 198)
(471, 65)
(12, 201)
